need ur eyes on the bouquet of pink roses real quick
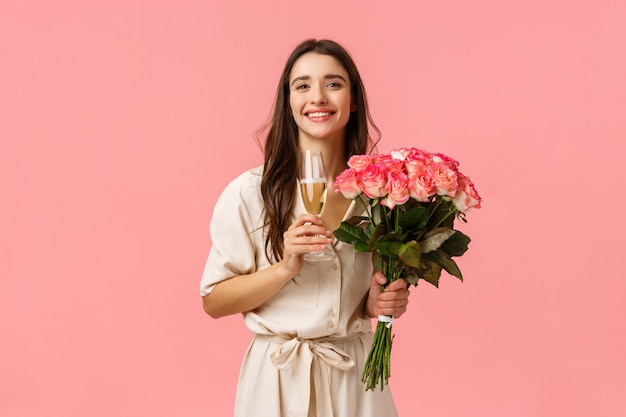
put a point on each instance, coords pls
(413, 197)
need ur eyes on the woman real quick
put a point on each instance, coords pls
(311, 321)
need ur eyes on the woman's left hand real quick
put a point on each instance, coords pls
(390, 302)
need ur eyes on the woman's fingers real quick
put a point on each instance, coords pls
(303, 244)
(394, 299)
(307, 218)
(306, 234)
(308, 224)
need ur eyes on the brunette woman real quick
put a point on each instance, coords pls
(311, 322)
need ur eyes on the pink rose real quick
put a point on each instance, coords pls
(444, 177)
(466, 196)
(346, 183)
(439, 157)
(372, 180)
(392, 164)
(419, 155)
(414, 165)
(400, 153)
(359, 162)
(397, 189)
(377, 159)
(421, 185)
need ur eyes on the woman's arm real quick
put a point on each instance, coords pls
(390, 302)
(246, 292)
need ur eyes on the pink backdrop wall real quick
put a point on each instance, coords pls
(121, 121)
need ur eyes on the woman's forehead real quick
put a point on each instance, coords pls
(313, 64)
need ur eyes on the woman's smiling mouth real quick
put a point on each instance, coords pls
(318, 114)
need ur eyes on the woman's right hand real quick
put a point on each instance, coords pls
(246, 292)
(306, 234)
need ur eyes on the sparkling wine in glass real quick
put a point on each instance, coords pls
(313, 189)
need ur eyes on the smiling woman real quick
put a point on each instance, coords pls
(311, 322)
(320, 98)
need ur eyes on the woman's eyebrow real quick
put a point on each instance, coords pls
(326, 77)
(301, 78)
(332, 76)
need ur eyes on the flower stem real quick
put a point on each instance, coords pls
(377, 367)
(452, 210)
(369, 215)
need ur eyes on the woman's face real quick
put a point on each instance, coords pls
(319, 96)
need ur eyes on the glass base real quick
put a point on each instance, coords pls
(319, 256)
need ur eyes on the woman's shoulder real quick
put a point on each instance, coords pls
(247, 179)
(245, 186)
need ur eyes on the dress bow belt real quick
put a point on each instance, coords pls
(306, 358)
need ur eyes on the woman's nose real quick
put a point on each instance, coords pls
(318, 95)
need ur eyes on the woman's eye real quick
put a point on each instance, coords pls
(301, 87)
(333, 85)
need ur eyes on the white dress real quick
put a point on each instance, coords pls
(312, 337)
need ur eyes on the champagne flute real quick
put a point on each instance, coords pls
(313, 189)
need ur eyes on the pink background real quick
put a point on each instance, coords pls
(121, 121)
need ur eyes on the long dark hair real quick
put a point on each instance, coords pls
(280, 170)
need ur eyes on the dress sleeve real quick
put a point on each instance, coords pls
(236, 222)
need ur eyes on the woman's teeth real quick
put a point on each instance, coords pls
(319, 114)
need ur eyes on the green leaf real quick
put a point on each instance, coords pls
(414, 219)
(361, 247)
(431, 273)
(389, 248)
(356, 220)
(412, 278)
(410, 254)
(456, 245)
(350, 234)
(379, 231)
(443, 210)
(377, 261)
(441, 258)
(435, 238)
